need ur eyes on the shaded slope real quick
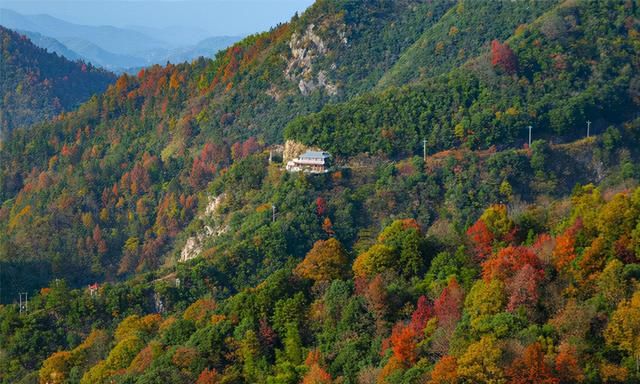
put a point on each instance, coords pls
(36, 85)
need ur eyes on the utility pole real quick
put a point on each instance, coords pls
(158, 303)
(530, 127)
(588, 127)
(24, 302)
(424, 149)
(273, 213)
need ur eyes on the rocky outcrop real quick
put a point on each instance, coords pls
(321, 81)
(193, 247)
(305, 49)
(292, 149)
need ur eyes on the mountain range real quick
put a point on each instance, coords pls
(114, 48)
(479, 223)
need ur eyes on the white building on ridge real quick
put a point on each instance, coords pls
(310, 161)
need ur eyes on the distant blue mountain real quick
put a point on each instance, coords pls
(112, 39)
(207, 48)
(117, 49)
(78, 49)
(174, 35)
(101, 57)
(51, 45)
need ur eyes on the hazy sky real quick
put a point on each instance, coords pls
(218, 17)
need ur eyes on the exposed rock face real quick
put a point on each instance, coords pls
(193, 246)
(292, 149)
(213, 205)
(190, 250)
(305, 49)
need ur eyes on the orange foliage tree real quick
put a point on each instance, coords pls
(324, 262)
(591, 263)
(327, 226)
(184, 357)
(375, 293)
(200, 311)
(316, 374)
(55, 369)
(445, 371)
(567, 366)
(531, 368)
(208, 376)
(403, 343)
(508, 262)
(564, 252)
(392, 366)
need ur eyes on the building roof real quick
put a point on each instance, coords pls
(314, 155)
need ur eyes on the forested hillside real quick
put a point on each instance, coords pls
(130, 165)
(573, 64)
(490, 261)
(36, 85)
(462, 34)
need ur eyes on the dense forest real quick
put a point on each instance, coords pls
(36, 85)
(487, 261)
(572, 64)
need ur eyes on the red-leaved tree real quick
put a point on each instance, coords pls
(482, 240)
(421, 315)
(508, 261)
(321, 206)
(523, 288)
(448, 307)
(502, 56)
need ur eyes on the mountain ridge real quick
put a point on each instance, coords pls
(38, 85)
(113, 48)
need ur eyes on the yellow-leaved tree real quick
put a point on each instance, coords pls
(326, 261)
(57, 367)
(623, 329)
(479, 364)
